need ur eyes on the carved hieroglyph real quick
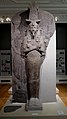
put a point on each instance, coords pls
(31, 32)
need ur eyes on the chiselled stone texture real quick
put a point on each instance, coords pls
(33, 63)
(34, 104)
(31, 32)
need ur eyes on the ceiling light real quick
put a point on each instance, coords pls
(56, 18)
(8, 19)
(1, 20)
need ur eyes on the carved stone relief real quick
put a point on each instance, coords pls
(31, 32)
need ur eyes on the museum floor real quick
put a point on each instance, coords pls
(63, 92)
(4, 95)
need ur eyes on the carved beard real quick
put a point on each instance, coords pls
(33, 32)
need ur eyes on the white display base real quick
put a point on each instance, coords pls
(5, 79)
(60, 79)
(52, 109)
(10, 91)
(57, 90)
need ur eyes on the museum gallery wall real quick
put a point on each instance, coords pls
(33, 47)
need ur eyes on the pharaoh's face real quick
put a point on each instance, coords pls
(33, 26)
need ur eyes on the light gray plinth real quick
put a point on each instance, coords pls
(52, 110)
(33, 105)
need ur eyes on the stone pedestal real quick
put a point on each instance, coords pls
(33, 105)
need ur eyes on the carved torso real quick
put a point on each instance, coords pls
(33, 40)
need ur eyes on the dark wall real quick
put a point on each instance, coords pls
(61, 39)
(5, 36)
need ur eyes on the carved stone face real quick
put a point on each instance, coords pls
(33, 26)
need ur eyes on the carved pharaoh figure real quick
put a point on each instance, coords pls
(33, 51)
(35, 29)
